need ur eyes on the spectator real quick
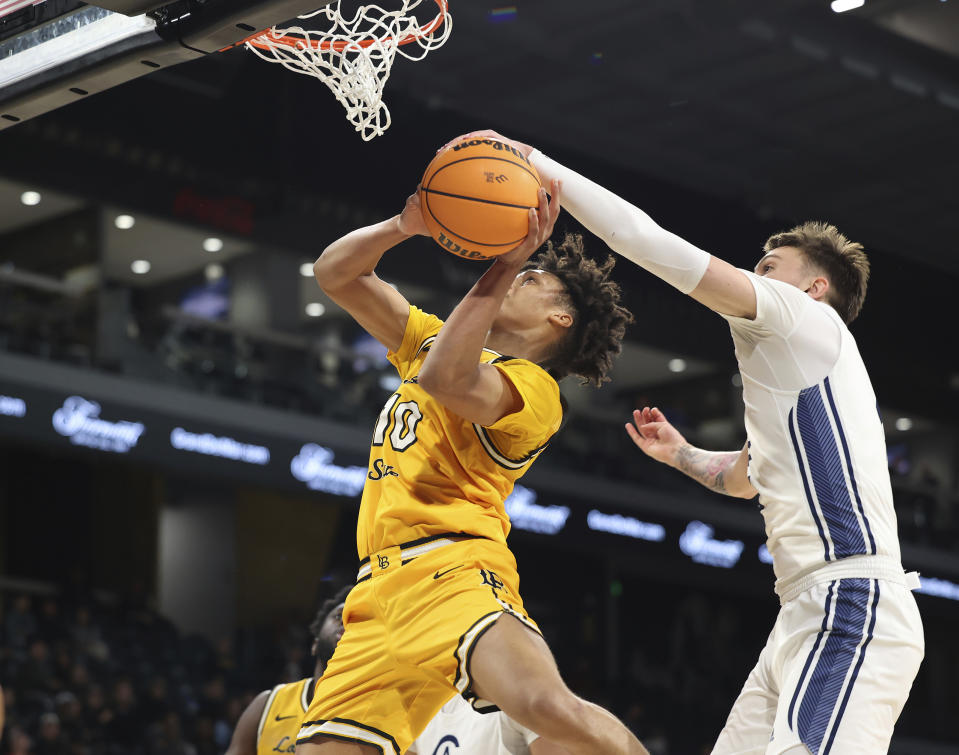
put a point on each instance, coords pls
(50, 740)
(36, 673)
(166, 737)
(125, 725)
(20, 743)
(20, 624)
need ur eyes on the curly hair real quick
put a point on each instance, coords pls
(842, 261)
(316, 626)
(599, 321)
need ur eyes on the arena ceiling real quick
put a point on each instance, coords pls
(720, 117)
(785, 106)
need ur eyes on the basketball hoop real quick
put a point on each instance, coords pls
(354, 55)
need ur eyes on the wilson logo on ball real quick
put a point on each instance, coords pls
(452, 246)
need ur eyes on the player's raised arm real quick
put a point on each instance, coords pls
(452, 372)
(345, 273)
(721, 471)
(630, 232)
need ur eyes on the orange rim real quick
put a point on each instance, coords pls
(340, 45)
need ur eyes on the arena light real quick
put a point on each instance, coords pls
(627, 526)
(315, 309)
(12, 406)
(841, 6)
(213, 272)
(124, 222)
(223, 447)
(140, 267)
(698, 543)
(314, 466)
(212, 244)
(525, 514)
(79, 420)
(677, 365)
(306, 269)
(30, 198)
(903, 424)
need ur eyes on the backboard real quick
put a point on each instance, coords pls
(54, 52)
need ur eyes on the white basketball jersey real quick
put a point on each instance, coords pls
(817, 451)
(459, 730)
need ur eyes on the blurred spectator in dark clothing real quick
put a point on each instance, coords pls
(204, 738)
(87, 637)
(70, 711)
(50, 626)
(36, 673)
(166, 737)
(156, 703)
(50, 739)
(125, 724)
(95, 713)
(18, 742)
(20, 624)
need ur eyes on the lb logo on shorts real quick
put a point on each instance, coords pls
(384, 562)
(490, 578)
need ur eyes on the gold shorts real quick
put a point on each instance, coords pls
(410, 626)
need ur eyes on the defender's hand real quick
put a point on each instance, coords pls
(411, 221)
(524, 149)
(654, 435)
(541, 222)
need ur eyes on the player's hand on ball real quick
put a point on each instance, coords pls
(541, 222)
(654, 435)
(411, 219)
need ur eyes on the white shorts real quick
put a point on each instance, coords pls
(834, 675)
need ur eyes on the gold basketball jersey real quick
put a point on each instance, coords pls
(430, 471)
(282, 716)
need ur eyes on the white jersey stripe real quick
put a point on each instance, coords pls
(813, 657)
(808, 489)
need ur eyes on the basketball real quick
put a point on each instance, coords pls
(476, 196)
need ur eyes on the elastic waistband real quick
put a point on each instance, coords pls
(397, 555)
(854, 567)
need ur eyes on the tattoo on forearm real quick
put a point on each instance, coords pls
(706, 467)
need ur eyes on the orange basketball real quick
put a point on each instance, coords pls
(475, 197)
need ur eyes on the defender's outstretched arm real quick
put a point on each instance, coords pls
(630, 232)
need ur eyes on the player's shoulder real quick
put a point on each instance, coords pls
(530, 371)
(770, 285)
(292, 694)
(539, 389)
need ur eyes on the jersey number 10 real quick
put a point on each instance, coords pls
(404, 416)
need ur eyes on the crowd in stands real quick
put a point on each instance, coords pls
(101, 676)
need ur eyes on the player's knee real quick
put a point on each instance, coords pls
(555, 711)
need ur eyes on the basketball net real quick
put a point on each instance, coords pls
(354, 55)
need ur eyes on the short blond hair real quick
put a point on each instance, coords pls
(841, 261)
